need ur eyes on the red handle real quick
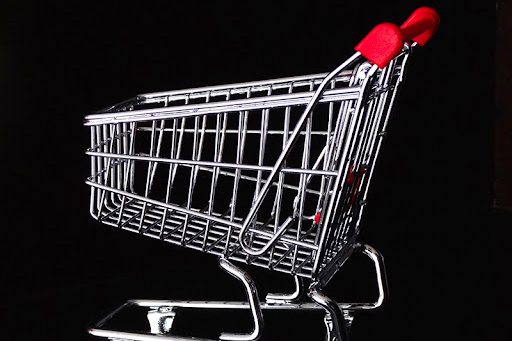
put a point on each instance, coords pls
(386, 40)
(421, 25)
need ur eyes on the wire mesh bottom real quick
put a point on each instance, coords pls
(221, 239)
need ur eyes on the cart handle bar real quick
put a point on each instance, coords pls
(386, 40)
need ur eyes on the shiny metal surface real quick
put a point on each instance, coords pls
(273, 298)
(161, 320)
(253, 300)
(270, 173)
(335, 323)
(162, 313)
(291, 140)
(180, 142)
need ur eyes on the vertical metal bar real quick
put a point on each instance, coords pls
(157, 152)
(242, 132)
(172, 171)
(175, 154)
(126, 147)
(279, 192)
(191, 185)
(302, 180)
(120, 139)
(108, 167)
(105, 150)
(128, 172)
(372, 136)
(196, 156)
(148, 175)
(263, 140)
(99, 164)
(374, 112)
(132, 166)
(203, 129)
(93, 160)
(261, 154)
(328, 138)
(219, 146)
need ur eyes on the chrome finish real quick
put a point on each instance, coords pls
(161, 320)
(276, 101)
(328, 327)
(336, 323)
(178, 143)
(287, 149)
(297, 156)
(254, 303)
(343, 171)
(348, 318)
(380, 272)
(162, 313)
(120, 335)
(273, 298)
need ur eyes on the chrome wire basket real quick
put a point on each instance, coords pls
(271, 173)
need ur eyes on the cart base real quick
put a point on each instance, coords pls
(161, 314)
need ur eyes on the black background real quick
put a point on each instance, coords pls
(430, 208)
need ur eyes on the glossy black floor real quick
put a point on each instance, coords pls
(430, 210)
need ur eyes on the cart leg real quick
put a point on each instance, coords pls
(254, 303)
(328, 327)
(334, 319)
(286, 298)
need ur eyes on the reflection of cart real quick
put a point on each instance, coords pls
(270, 173)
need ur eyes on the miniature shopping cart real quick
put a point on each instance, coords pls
(270, 173)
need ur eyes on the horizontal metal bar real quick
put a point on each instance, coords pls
(229, 131)
(254, 85)
(257, 103)
(211, 164)
(118, 335)
(243, 305)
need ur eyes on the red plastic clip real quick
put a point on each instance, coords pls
(317, 217)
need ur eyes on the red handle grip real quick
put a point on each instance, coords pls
(386, 40)
(421, 25)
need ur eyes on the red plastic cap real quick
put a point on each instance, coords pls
(382, 44)
(421, 25)
(386, 40)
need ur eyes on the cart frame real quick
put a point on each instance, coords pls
(309, 241)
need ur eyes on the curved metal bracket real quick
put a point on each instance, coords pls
(272, 298)
(253, 252)
(254, 303)
(380, 272)
(335, 321)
